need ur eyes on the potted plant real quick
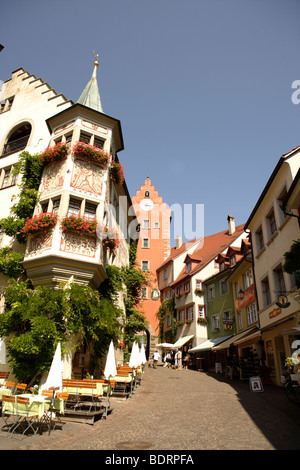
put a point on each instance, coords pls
(81, 225)
(90, 153)
(39, 223)
(109, 237)
(56, 153)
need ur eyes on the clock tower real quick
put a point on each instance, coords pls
(154, 218)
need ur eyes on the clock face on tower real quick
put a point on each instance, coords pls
(146, 204)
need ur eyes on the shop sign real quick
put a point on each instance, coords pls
(255, 384)
(249, 296)
(275, 312)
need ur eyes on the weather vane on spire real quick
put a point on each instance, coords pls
(96, 58)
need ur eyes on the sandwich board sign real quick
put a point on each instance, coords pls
(255, 384)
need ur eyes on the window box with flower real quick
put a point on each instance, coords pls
(188, 321)
(55, 154)
(179, 323)
(117, 172)
(202, 321)
(90, 153)
(39, 224)
(109, 237)
(80, 225)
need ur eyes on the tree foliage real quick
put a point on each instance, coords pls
(292, 261)
(37, 318)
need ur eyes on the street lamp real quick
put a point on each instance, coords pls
(241, 294)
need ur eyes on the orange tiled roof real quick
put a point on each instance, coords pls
(212, 246)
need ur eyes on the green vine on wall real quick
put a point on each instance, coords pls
(167, 306)
(31, 168)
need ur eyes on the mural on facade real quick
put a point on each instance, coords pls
(87, 178)
(76, 244)
(40, 242)
(53, 178)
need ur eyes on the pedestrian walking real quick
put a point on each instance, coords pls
(156, 356)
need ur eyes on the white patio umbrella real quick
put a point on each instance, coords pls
(2, 352)
(110, 366)
(143, 358)
(134, 356)
(54, 379)
(165, 345)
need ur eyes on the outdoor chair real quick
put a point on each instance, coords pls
(47, 416)
(3, 377)
(61, 396)
(20, 386)
(8, 412)
(24, 416)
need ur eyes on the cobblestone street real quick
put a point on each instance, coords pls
(181, 410)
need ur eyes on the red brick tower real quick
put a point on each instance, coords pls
(153, 248)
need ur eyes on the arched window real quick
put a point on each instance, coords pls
(18, 139)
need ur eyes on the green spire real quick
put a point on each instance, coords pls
(90, 96)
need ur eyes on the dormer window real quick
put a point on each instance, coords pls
(188, 267)
(232, 260)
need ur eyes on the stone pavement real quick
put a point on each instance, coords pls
(183, 410)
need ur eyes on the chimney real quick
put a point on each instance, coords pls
(231, 224)
(178, 242)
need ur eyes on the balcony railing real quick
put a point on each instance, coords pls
(15, 145)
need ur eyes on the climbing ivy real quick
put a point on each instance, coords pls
(167, 306)
(31, 168)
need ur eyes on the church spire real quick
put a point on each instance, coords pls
(90, 96)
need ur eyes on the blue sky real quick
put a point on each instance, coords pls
(202, 87)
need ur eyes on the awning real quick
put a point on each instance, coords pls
(181, 341)
(233, 339)
(208, 344)
(256, 334)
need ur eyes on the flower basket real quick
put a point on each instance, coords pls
(117, 173)
(39, 223)
(109, 237)
(90, 153)
(81, 225)
(199, 291)
(56, 153)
